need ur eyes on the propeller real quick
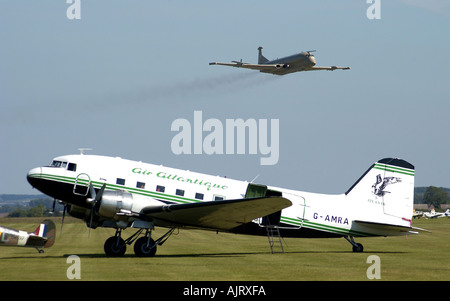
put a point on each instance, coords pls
(94, 200)
(53, 207)
(63, 215)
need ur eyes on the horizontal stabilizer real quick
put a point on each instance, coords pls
(384, 229)
(44, 235)
(220, 215)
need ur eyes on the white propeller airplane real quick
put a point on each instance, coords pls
(434, 214)
(303, 61)
(118, 193)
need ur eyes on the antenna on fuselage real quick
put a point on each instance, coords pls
(254, 178)
(83, 149)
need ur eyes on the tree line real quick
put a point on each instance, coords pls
(431, 195)
(35, 208)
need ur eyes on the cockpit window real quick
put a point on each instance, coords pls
(56, 163)
(64, 164)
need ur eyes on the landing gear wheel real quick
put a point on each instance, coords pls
(145, 248)
(358, 248)
(115, 246)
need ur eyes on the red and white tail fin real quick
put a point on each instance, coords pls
(47, 230)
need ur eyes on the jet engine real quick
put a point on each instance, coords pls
(284, 66)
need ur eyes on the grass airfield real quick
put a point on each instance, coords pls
(195, 255)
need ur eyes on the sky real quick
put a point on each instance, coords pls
(116, 79)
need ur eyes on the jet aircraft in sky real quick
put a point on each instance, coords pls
(303, 61)
(117, 193)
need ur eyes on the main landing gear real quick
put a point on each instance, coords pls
(144, 246)
(357, 247)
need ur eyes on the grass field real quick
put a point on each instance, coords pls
(194, 255)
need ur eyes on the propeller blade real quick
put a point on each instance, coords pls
(97, 197)
(92, 191)
(53, 207)
(63, 215)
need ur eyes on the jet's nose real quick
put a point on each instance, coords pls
(33, 175)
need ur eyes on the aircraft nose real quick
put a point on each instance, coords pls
(33, 174)
(312, 60)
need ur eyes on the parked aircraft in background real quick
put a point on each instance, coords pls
(417, 214)
(42, 237)
(434, 214)
(118, 193)
(303, 61)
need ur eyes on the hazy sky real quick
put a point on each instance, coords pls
(118, 77)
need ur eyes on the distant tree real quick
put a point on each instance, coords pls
(36, 211)
(435, 196)
(18, 212)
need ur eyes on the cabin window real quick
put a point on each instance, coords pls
(219, 198)
(140, 185)
(180, 192)
(120, 181)
(199, 196)
(160, 188)
(72, 167)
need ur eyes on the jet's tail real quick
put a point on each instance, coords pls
(261, 58)
(46, 230)
(385, 193)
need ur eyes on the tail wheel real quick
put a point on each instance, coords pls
(145, 247)
(115, 246)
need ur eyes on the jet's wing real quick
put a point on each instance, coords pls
(220, 215)
(261, 67)
(332, 68)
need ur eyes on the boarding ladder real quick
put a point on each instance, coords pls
(275, 240)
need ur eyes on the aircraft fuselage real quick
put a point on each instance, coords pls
(311, 215)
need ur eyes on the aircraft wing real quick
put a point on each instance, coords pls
(220, 215)
(260, 67)
(332, 68)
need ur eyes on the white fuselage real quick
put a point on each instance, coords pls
(316, 215)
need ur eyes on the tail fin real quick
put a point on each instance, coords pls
(385, 193)
(261, 58)
(46, 229)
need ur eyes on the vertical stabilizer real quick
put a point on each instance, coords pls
(261, 58)
(385, 193)
(46, 230)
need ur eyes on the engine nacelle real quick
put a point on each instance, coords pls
(78, 212)
(113, 202)
(284, 66)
